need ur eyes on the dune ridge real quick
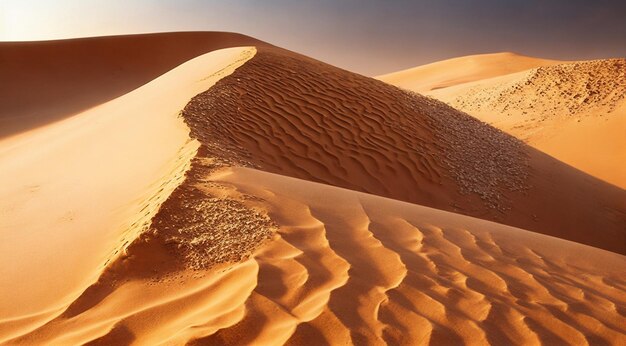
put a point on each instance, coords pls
(131, 153)
(78, 74)
(450, 72)
(295, 116)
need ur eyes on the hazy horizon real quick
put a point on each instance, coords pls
(369, 37)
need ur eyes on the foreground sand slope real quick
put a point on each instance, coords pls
(46, 81)
(77, 192)
(351, 268)
(292, 115)
(465, 69)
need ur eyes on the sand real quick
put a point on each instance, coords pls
(46, 81)
(351, 268)
(77, 192)
(291, 115)
(572, 111)
(446, 73)
(257, 196)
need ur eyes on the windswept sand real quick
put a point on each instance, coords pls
(350, 268)
(167, 218)
(47, 81)
(573, 111)
(291, 115)
(446, 73)
(77, 192)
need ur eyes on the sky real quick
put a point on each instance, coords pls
(371, 37)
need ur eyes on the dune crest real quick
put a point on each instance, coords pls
(450, 72)
(94, 181)
(291, 115)
(78, 74)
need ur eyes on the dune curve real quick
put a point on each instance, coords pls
(78, 74)
(131, 153)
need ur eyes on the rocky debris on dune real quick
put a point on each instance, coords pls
(574, 89)
(481, 159)
(204, 230)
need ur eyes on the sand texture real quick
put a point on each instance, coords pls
(295, 116)
(47, 81)
(254, 196)
(350, 268)
(573, 111)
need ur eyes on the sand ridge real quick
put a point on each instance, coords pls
(295, 116)
(447, 73)
(56, 171)
(78, 74)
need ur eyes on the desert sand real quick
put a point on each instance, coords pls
(256, 196)
(77, 192)
(573, 111)
(47, 81)
(447, 73)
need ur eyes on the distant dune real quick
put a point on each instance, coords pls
(251, 195)
(47, 81)
(446, 73)
(575, 112)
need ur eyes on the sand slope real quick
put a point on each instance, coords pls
(575, 112)
(465, 69)
(347, 267)
(155, 219)
(295, 116)
(77, 192)
(46, 81)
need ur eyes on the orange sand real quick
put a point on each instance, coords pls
(161, 217)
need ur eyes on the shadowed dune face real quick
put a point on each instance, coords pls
(291, 115)
(50, 80)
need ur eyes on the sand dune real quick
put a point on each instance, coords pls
(573, 111)
(295, 116)
(47, 81)
(166, 218)
(346, 267)
(77, 192)
(446, 73)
